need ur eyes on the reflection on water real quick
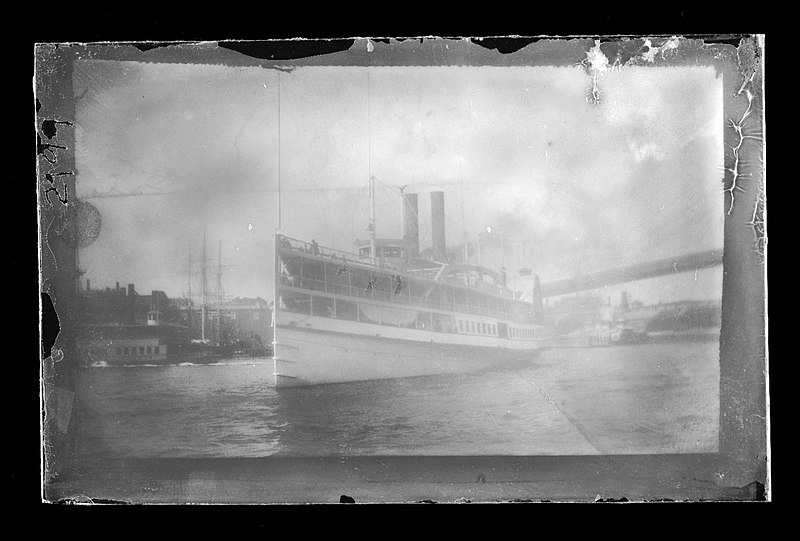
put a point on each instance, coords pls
(653, 398)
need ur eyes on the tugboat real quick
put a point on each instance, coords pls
(626, 335)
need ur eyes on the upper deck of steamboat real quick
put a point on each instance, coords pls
(392, 280)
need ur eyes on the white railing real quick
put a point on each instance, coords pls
(315, 250)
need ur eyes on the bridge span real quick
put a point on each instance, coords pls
(640, 271)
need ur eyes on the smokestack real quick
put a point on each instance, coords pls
(437, 226)
(130, 290)
(411, 220)
(117, 290)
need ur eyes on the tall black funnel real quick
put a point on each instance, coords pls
(437, 227)
(411, 221)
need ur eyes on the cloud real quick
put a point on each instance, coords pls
(645, 150)
(628, 178)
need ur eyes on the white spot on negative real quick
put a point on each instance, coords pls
(597, 60)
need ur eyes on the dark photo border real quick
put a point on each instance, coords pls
(738, 472)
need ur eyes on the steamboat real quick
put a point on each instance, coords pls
(385, 312)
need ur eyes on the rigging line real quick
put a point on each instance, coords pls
(389, 186)
(382, 184)
(416, 214)
(353, 208)
(392, 189)
(309, 142)
(394, 193)
(115, 194)
(111, 195)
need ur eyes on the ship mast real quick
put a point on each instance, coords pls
(373, 251)
(189, 294)
(279, 151)
(463, 219)
(203, 291)
(219, 295)
(276, 270)
(403, 231)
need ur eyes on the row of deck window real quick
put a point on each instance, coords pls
(132, 350)
(477, 327)
(333, 308)
(520, 333)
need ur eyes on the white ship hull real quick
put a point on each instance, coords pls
(313, 350)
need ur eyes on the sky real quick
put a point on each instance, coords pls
(169, 153)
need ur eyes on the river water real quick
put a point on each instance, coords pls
(631, 399)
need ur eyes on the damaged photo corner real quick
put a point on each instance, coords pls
(403, 270)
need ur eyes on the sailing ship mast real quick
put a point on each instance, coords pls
(219, 295)
(189, 294)
(203, 292)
